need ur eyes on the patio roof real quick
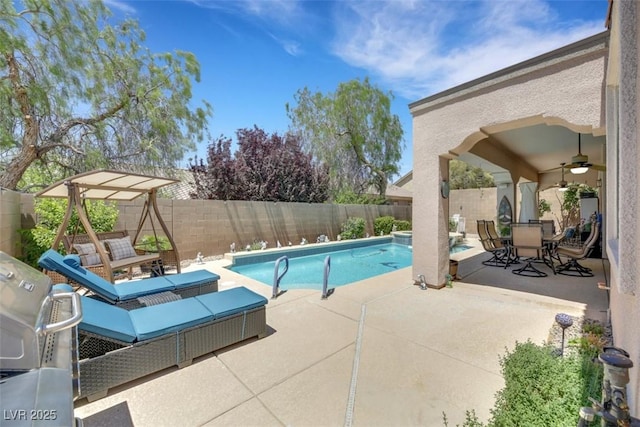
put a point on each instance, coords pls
(107, 185)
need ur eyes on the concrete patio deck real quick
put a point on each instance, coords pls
(377, 352)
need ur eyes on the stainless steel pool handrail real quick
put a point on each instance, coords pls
(277, 277)
(325, 281)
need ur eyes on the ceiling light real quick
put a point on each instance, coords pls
(579, 170)
(563, 189)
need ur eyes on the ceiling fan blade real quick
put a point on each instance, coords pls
(601, 168)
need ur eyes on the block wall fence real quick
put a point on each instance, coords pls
(210, 226)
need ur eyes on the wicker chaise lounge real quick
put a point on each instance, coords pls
(117, 346)
(131, 294)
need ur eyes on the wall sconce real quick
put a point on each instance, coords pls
(444, 189)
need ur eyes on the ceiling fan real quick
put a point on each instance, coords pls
(580, 163)
(563, 185)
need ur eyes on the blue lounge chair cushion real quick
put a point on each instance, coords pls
(69, 266)
(231, 301)
(137, 288)
(107, 320)
(192, 278)
(161, 319)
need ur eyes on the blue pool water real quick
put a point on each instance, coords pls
(458, 248)
(347, 265)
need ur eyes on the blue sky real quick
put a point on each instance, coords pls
(256, 54)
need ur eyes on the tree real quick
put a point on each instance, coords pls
(81, 92)
(265, 167)
(353, 132)
(570, 204)
(462, 175)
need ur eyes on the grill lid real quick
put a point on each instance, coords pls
(23, 290)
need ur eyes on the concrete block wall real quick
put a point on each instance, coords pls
(210, 226)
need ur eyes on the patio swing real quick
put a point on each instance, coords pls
(105, 253)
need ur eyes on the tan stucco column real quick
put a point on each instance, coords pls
(431, 218)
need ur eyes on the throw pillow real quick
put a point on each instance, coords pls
(88, 253)
(90, 259)
(84, 248)
(121, 248)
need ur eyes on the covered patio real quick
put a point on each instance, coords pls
(521, 124)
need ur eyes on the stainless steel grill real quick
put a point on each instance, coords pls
(38, 348)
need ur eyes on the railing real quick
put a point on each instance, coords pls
(325, 281)
(277, 276)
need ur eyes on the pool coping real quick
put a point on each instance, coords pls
(272, 254)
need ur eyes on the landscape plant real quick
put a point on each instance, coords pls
(353, 131)
(383, 225)
(570, 204)
(50, 213)
(402, 225)
(81, 90)
(264, 168)
(353, 228)
(543, 388)
(151, 243)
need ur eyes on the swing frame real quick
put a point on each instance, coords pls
(111, 185)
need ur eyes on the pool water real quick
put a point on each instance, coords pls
(458, 248)
(348, 265)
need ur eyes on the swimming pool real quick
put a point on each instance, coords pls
(347, 265)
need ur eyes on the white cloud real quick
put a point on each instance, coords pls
(121, 6)
(272, 16)
(419, 48)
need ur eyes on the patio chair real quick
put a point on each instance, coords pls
(572, 267)
(117, 346)
(529, 247)
(135, 293)
(548, 226)
(499, 253)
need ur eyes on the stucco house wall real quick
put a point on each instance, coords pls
(562, 87)
(623, 181)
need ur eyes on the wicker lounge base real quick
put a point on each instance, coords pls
(107, 363)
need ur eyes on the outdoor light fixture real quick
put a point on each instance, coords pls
(579, 170)
(562, 183)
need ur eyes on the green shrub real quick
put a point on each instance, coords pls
(353, 228)
(402, 225)
(148, 243)
(383, 225)
(50, 214)
(542, 389)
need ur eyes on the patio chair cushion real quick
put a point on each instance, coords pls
(192, 278)
(106, 320)
(231, 301)
(137, 288)
(162, 319)
(69, 266)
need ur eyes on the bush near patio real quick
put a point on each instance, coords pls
(543, 389)
(353, 228)
(383, 225)
(402, 225)
(50, 213)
